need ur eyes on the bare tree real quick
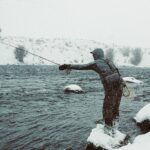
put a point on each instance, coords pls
(125, 51)
(110, 54)
(137, 56)
(20, 53)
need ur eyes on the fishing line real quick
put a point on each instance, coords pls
(126, 91)
(30, 53)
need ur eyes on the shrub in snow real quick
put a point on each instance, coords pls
(20, 53)
(110, 54)
(137, 56)
(125, 51)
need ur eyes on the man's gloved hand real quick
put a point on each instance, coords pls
(64, 67)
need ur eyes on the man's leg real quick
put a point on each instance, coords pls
(108, 110)
(116, 103)
(108, 115)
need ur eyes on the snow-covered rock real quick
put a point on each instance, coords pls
(73, 88)
(132, 80)
(142, 118)
(99, 139)
(143, 114)
(141, 142)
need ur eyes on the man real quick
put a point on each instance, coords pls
(112, 83)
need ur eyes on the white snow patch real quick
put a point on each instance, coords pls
(132, 80)
(73, 87)
(64, 51)
(141, 142)
(143, 114)
(100, 139)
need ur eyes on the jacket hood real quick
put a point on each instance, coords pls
(98, 53)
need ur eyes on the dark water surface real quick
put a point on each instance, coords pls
(35, 113)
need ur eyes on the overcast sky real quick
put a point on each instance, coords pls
(123, 22)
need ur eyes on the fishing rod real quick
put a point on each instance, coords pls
(30, 53)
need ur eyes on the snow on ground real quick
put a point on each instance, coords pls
(69, 51)
(143, 114)
(100, 139)
(141, 142)
(132, 80)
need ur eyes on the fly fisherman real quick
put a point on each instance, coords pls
(112, 83)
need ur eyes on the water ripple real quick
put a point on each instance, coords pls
(35, 113)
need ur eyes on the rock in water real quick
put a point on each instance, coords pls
(73, 88)
(132, 80)
(142, 118)
(99, 140)
(141, 142)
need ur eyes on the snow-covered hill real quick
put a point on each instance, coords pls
(71, 51)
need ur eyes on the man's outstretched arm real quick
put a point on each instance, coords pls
(88, 66)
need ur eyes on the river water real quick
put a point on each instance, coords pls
(36, 114)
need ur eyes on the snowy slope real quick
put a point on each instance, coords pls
(71, 51)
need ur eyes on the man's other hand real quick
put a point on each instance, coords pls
(64, 67)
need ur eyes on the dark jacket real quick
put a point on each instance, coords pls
(102, 66)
